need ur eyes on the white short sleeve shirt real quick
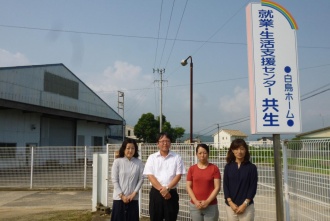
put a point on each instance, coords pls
(164, 168)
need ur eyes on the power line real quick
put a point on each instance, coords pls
(140, 37)
(115, 35)
(316, 90)
(248, 118)
(315, 94)
(226, 22)
(160, 19)
(204, 129)
(177, 32)
(225, 125)
(168, 28)
(318, 66)
(179, 85)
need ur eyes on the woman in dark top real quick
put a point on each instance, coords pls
(240, 181)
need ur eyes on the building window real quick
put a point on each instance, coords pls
(97, 143)
(7, 150)
(59, 85)
(128, 133)
(81, 140)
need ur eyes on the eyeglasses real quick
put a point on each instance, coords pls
(164, 141)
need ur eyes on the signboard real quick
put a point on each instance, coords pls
(273, 69)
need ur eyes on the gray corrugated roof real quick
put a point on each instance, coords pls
(236, 133)
(313, 131)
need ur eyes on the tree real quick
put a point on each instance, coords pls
(179, 132)
(175, 133)
(147, 128)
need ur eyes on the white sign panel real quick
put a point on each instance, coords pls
(273, 69)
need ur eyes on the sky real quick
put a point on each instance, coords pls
(121, 45)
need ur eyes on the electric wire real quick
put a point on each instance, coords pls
(313, 95)
(316, 89)
(219, 29)
(168, 28)
(158, 37)
(179, 85)
(141, 94)
(159, 24)
(318, 66)
(209, 39)
(139, 37)
(224, 123)
(248, 118)
(177, 32)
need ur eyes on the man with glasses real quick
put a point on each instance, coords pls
(164, 170)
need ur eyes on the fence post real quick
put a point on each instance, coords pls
(31, 176)
(278, 178)
(286, 187)
(107, 176)
(140, 191)
(85, 168)
(193, 156)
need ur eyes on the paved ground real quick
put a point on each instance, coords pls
(21, 203)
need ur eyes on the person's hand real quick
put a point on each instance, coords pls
(198, 204)
(233, 206)
(167, 196)
(241, 209)
(131, 196)
(125, 199)
(163, 191)
(204, 204)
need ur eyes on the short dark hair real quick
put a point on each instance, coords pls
(123, 147)
(233, 146)
(164, 134)
(202, 145)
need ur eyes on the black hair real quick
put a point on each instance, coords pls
(164, 134)
(123, 147)
(202, 145)
(233, 146)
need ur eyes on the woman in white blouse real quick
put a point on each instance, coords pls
(127, 179)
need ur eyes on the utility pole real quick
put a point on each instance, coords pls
(121, 107)
(160, 71)
(121, 102)
(218, 136)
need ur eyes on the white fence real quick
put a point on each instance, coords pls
(47, 167)
(306, 176)
(306, 172)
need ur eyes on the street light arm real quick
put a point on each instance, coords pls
(185, 62)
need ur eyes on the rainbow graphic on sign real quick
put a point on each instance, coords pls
(282, 10)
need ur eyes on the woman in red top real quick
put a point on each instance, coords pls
(203, 186)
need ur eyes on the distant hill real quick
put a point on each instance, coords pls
(204, 139)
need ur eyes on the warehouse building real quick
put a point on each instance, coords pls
(47, 105)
